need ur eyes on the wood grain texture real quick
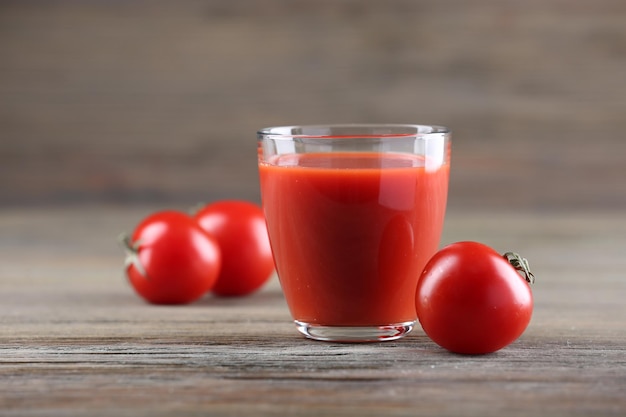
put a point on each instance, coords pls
(75, 340)
(157, 101)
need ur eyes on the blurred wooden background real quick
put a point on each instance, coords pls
(158, 101)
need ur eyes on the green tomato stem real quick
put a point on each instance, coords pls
(132, 254)
(521, 265)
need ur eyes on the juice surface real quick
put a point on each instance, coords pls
(351, 233)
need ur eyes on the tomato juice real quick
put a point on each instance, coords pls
(352, 231)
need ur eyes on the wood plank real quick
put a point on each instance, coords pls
(75, 340)
(146, 102)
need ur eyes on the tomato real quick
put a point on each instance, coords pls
(472, 300)
(240, 230)
(170, 259)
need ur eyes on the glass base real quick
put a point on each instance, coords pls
(355, 334)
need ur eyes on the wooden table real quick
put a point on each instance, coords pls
(75, 340)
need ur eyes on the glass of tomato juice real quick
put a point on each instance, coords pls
(353, 212)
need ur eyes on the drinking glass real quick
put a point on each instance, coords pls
(353, 212)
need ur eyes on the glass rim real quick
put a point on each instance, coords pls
(368, 130)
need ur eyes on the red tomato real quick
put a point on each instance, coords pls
(239, 228)
(171, 260)
(472, 300)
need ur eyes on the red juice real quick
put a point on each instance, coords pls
(351, 232)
